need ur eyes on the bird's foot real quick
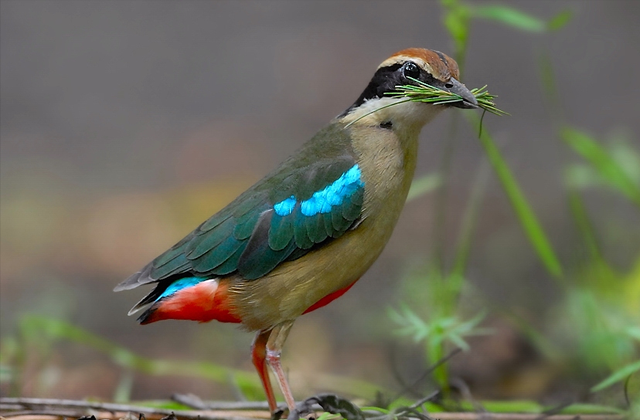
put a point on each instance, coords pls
(281, 411)
(330, 403)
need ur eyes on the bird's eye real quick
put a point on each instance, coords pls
(411, 70)
(449, 85)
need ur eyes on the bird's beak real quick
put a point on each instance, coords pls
(468, 100)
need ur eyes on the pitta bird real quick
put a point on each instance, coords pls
(305, 233)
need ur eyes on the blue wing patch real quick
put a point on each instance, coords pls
(295, 225)
(285, 207)
(322, 202)
(251, 236)
(313, 197)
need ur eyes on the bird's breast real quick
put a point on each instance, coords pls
(387, 163)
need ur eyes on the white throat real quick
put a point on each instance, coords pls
(403, 116)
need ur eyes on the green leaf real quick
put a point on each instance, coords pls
(456, 20)
(424, 185)
(627, 157)
(163, 405)
(511, 17)
(122, 393)
(527, 406)
(618, 375)
(40, 327)
(516, 406)
(525, 214)
(633, 332)
(581, 176)
(560, 20)
(424, 92)
(548, 79)
(584, 225)
(463, 245)
(603, 162)
(580, 408)
(458, 27)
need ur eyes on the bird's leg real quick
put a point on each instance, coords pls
(258, 355)
(275, 343)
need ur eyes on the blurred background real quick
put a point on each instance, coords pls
(125, 124)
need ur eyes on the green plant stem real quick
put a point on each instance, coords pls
(525, 214)
(469, 220)
(435, 352)
(440, 218)
(602, 161)
(583, 224)
(550, 88)
(41, 329)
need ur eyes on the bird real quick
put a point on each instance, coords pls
(305, 233)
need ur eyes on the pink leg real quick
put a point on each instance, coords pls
(258, 356)
(274, 348)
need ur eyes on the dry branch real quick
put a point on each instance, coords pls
(53, 409)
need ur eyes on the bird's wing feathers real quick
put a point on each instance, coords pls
(312, 206)
(284, 216)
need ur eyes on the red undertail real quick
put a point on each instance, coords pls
(204, 302)
(208, 301)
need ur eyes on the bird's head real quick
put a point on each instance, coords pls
(429, 66)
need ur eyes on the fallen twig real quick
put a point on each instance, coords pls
(57, 408)
(43, 408)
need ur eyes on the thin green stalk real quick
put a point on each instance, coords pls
(550, 88)
(469, 222)
(525, 214)
(603, 162)
(440, 218)
(435, 352)
(424, 185)
(584, 225)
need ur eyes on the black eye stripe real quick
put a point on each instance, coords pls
(388, 78)
(384, 80)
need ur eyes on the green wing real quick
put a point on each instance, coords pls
(302, 205)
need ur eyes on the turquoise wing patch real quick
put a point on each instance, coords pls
(256, 232)
(297, 224)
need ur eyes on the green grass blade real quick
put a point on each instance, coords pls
(602, 161)
(424, 185)
(528, 406)
(617, 376)
(581, 408)
(37, 326)
(456, 19)
(122, 393)
(424, 92)
(525, 214)
(560, 20)
(584, 225)
(511, 17)
(555, 109)
(515, 406)
(543, 344)
(463, 246)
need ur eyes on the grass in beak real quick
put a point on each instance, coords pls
(423, 92)
(431, 94)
